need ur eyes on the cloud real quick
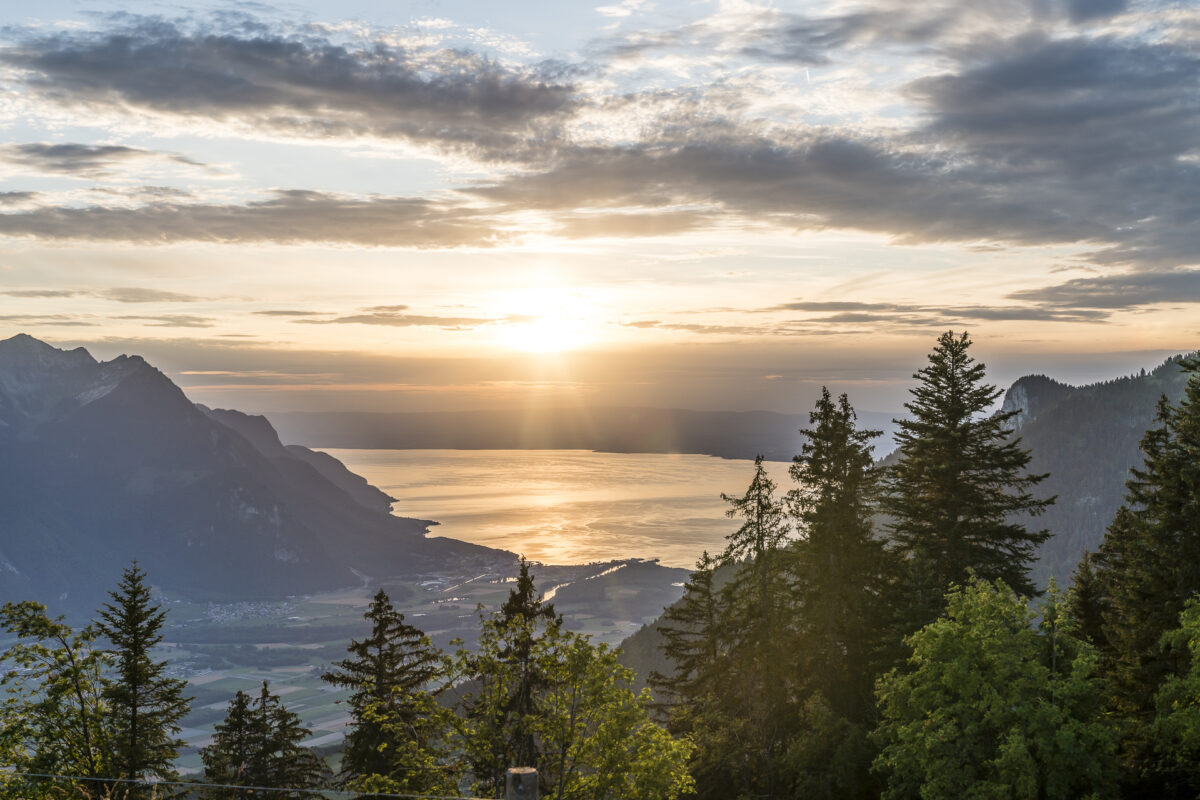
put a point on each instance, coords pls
(294, 84)
(937, 315)
(123, 294)
(16, 198)
(173, 321)
(64, 320)
(284, 312)
(1119, 291)
(136, 294)
(397, 319)
(82, 160)
(289, 217)
(40, 292)
(583, 226)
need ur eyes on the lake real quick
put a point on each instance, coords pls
(566, 506)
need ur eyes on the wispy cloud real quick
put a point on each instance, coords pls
(82, 160)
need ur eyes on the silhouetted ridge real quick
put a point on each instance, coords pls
(102, 462)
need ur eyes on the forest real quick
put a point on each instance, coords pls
(870, 631)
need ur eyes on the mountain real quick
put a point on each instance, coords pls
(726, 434)
(1087, 438)
(103, 462)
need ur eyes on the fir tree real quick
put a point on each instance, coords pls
(1147, 568)
(508, 678)
(840, 566)
(258, 745)
(144, 705)
(387, 674)
(960, 485)
(691, 630)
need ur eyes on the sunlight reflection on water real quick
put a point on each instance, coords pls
(566, 506)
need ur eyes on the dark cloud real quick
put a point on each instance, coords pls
(632, 225)
(81, 160)
(291, 217)
(1119, 291)
(16, 198)
(294, 84)
(803, 184)
(1086, 10)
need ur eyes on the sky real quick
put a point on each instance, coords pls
(716, 205)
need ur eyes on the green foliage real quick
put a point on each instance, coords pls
(395, 729)
(840, 569)
(1176, 726)
(143, 706)
(596, 738)
(991, 707)
(507, 678)
(258, 745)
(1149, 564)
(52, 716)
(562, 705)
(960, 483)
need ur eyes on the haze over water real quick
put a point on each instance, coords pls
(566, 506)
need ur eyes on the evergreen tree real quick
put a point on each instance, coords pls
(693, 641)
(1147, 568)
(258, 745)
(955, 495)
(693, 696)
(742, 729)
(1176, 726)
(388, 674)
(507, 679)
(840, 567)
(144, 706)
(230, 759)
(839, 574)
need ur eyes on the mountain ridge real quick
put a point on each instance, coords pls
(103, 462)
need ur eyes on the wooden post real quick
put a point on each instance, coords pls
(521, 783)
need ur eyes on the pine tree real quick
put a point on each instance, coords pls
(1147, 568)
(840, 567)
(144, 705)
(955, 495)
(508, 678)
(258, 745)
(387, 674)
(231, 757)
(692, 634)
(693, 697)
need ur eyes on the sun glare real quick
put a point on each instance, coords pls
(546, 320)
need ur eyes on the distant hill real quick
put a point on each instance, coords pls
(726, 434)
(1087, 438)
(102, 462)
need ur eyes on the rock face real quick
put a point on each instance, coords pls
(104, 462)
(1087, 438)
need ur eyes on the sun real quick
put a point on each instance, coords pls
(546, 320)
